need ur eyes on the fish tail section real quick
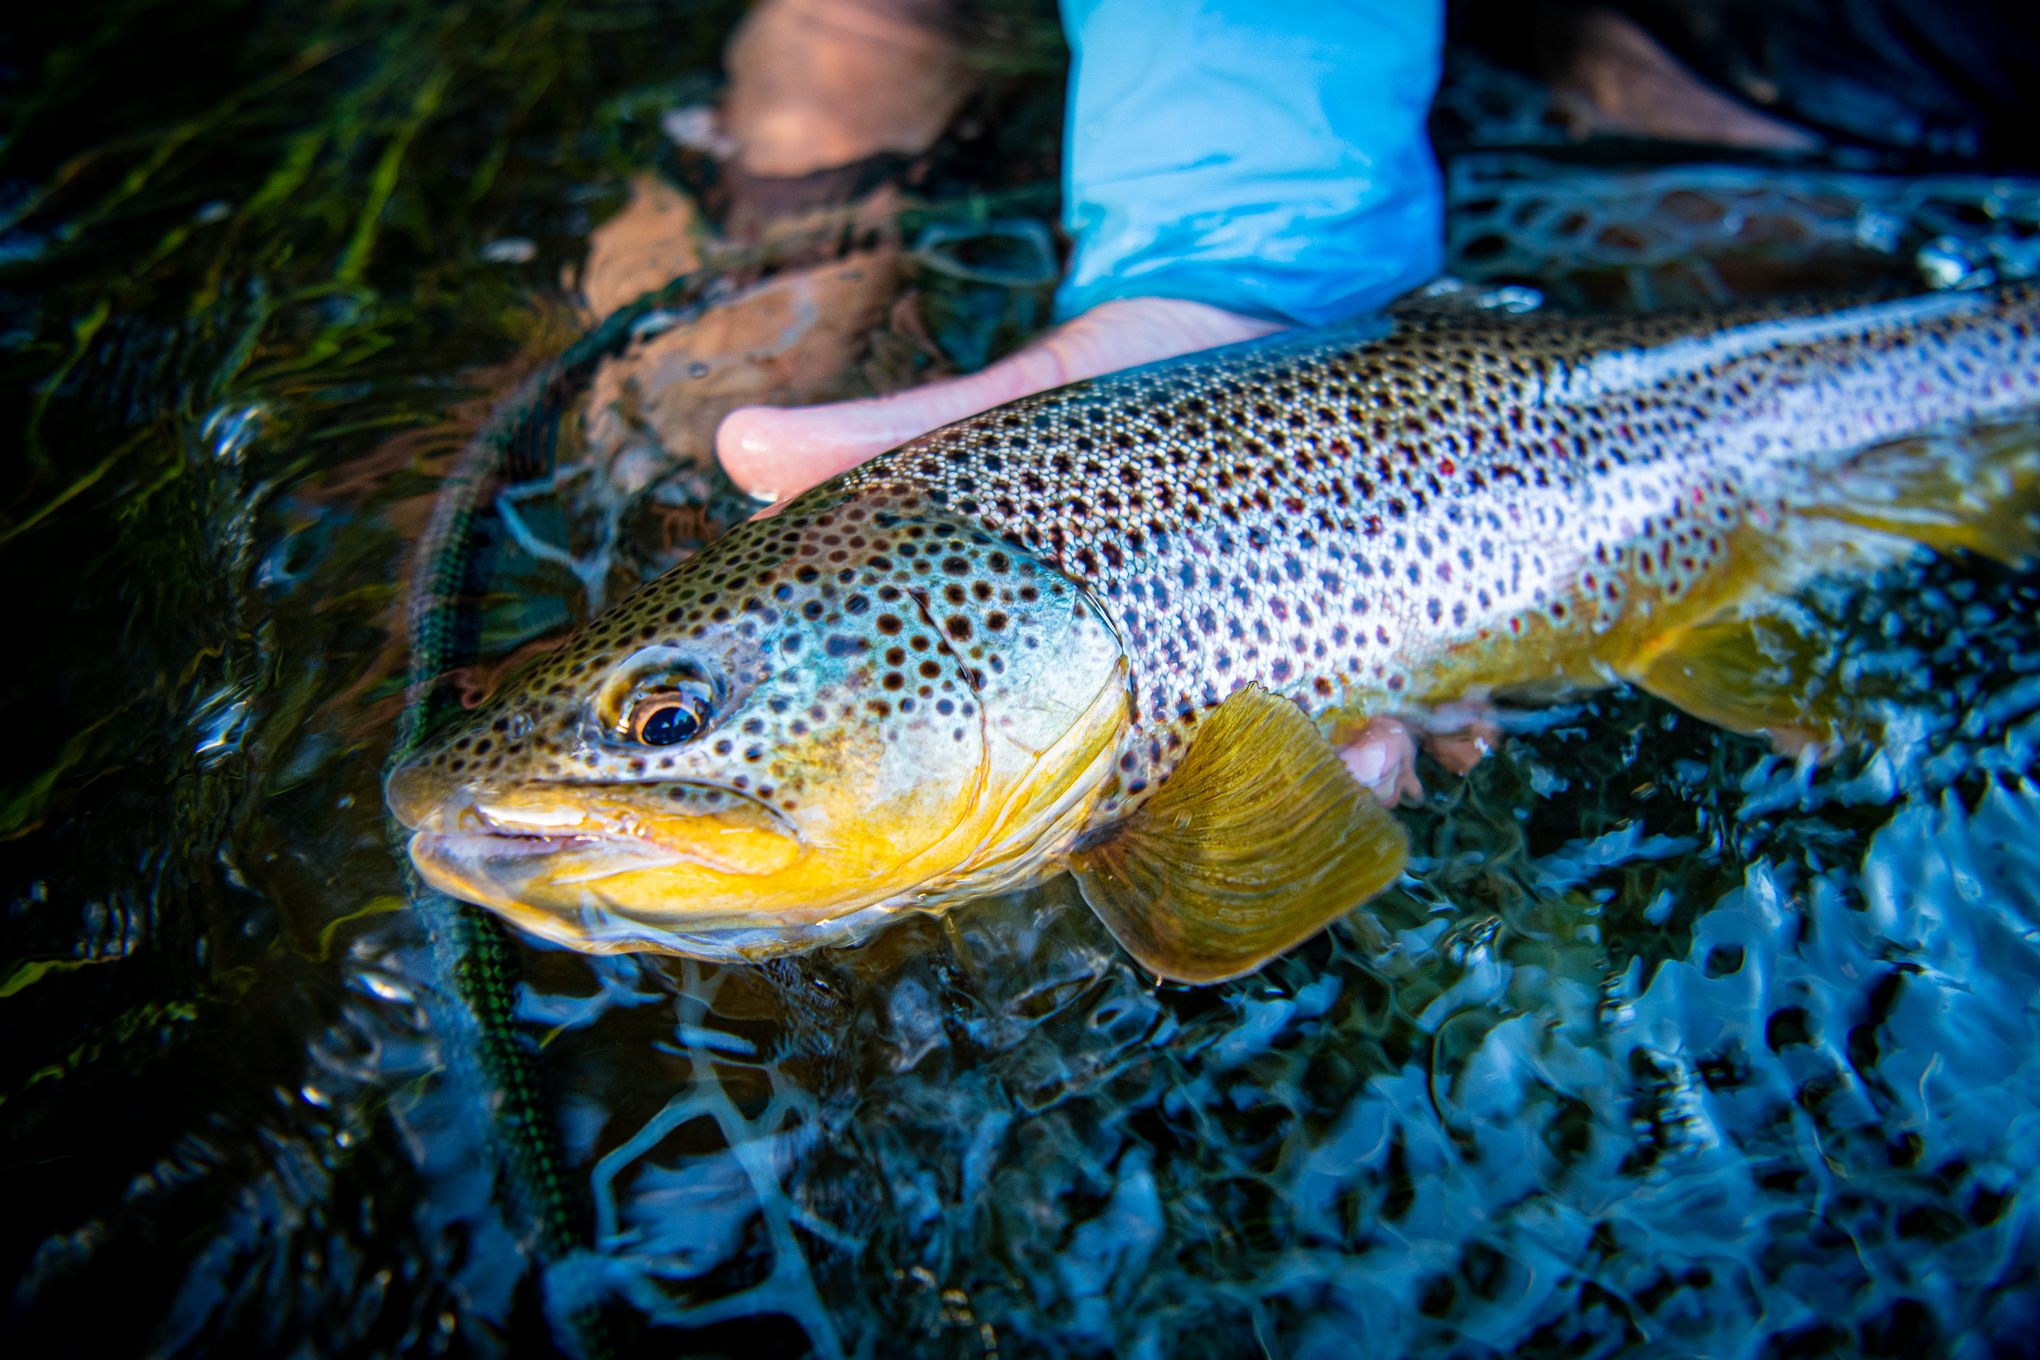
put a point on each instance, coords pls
(1975, 489)
(1766, 663)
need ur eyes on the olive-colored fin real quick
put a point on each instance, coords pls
(1770, 673)
(1258, 840)
(1975, 488)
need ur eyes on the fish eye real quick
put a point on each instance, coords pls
(667, 718)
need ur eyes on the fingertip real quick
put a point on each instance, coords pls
(774, 452)
(763, 449)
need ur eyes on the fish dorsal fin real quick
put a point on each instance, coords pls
(1256, 842)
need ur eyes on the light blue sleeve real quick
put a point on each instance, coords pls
(1265, 156)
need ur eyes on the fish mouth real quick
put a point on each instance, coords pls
(552, 837)
(426, 800)
(506, 856)
(503, 845)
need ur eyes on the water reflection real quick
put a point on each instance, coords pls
(1667, 1045)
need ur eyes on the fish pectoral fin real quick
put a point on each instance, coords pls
(1256, 842)
(1772, 673)
(1976, 488)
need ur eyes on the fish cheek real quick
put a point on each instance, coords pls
(1046, 665)
(880, 781)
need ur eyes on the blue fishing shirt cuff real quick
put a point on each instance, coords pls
(1269, 158)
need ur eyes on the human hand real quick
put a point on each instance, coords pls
(776, 452)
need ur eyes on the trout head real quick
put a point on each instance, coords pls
(859, 704)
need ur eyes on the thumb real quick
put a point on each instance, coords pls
(774, 452)
(777, 452)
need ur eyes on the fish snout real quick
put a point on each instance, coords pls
(424, 798)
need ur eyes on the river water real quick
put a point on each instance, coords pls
(1668, 1045)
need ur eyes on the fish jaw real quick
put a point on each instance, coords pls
(603, 868)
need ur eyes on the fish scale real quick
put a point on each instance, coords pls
(1332, 515)
(1065, 633)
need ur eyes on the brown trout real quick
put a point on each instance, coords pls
(1115, 629)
